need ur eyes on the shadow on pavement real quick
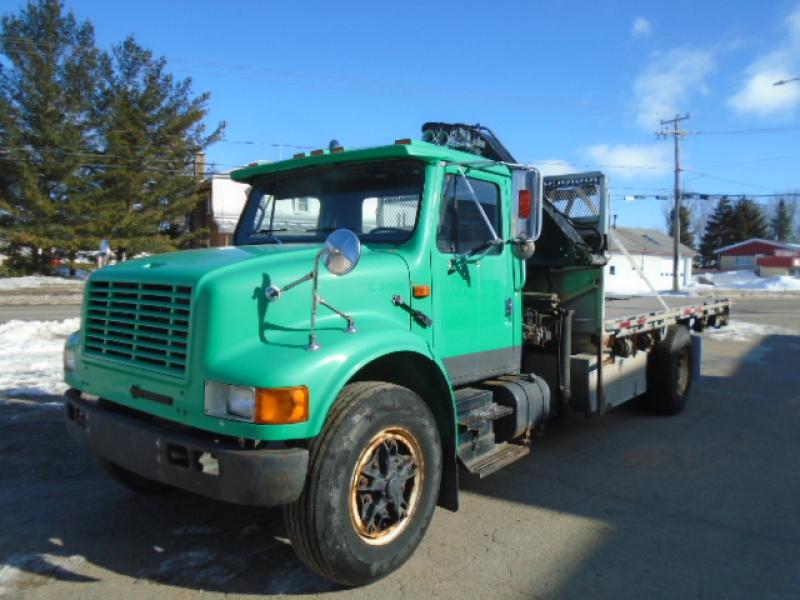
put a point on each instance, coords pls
(703, 504)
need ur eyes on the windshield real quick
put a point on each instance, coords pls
(379, 202)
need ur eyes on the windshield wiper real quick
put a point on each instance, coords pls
(271, 233)
(322, 229)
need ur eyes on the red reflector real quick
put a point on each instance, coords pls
(403, 142)
(317, 152)
(641, 321)
(524, 204)
(625, 324)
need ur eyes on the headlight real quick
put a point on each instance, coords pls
(230, 401)
(270, 406)
(70, 358)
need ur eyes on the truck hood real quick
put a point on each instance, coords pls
(228, 284)
(189, 267)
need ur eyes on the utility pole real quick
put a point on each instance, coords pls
(677, 135)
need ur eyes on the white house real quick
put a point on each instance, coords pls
(651, 251)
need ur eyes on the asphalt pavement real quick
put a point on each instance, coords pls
(630, 505)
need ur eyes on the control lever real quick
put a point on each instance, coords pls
(419, 316)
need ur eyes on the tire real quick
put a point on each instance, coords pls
(134, 482)
(669, 372)
(380, 436)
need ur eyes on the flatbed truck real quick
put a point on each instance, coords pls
(387, 321)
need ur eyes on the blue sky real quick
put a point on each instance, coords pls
(571, 85)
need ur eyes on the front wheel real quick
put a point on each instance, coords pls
(374, 474)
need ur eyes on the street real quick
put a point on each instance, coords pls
(702, 505)
(37, 312)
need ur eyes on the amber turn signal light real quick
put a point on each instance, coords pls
(421, 291)
(281, 406)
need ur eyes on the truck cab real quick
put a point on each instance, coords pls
(387, 319)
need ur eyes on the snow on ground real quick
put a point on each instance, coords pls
(32, 282)
(703, 283)
(742, 331)
(31, 356)
(744, 280)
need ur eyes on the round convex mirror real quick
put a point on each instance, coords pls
(342, 251)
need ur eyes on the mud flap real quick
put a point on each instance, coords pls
(697, 356)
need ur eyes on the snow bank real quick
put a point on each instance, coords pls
(744, 280)
(31, 356)
(32, 282)
(742, 331)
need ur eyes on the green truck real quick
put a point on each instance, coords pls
(388, 320)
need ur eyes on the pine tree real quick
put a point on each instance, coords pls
(749, 220)
(152, 129)
(687, 236)
(720, 231)
(783, 222)
(46, 100)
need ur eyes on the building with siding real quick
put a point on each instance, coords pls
(766, 257)
(651, 251)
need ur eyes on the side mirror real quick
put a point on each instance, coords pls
(528, 198)
(342, 251)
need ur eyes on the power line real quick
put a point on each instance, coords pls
(752, 185)
(296, 77)
(750, 131)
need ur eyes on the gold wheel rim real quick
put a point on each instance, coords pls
(385, 487)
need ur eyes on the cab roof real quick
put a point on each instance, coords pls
(420, 150)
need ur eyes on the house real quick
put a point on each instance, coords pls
(219, 211)
(651, 251)
(766, 257)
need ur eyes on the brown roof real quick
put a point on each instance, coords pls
(638, 240)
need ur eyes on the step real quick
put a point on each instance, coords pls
(468, 399)
(475, 418)
(503, 454)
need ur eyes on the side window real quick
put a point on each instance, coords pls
(461, 226)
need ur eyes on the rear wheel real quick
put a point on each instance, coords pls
(373, 480)
(669, 372)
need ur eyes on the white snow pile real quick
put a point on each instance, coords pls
(33, 282)
(742, 331)
(31, 360)
(744, 280)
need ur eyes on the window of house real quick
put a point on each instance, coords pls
(461, 225)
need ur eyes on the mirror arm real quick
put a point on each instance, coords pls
(351, 322)
(312, 336)
(478, 205)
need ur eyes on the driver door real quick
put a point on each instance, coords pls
(474, 311)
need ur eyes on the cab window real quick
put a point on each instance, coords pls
(461, 225)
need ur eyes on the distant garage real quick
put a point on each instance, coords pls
(766, 257)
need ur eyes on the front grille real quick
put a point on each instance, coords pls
(142, 323)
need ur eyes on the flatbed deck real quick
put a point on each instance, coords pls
(626, 315)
